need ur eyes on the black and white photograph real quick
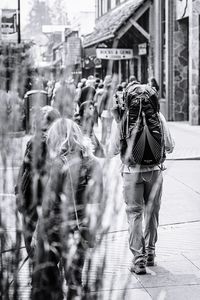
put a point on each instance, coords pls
(99, 149)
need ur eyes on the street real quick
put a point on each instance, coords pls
(91, 61)
(177, 271)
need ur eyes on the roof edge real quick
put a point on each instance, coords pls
(98, 40)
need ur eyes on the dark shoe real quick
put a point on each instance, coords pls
(150, 260)
(138, 268)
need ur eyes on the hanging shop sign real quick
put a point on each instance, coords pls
(114, 53)
(142, 49)
(9, 24)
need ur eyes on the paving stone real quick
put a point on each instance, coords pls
(191, 292)
(177, 273)
(128, 294)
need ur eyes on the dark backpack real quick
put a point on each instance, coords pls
(142, 140)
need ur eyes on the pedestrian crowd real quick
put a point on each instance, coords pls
(60, 186)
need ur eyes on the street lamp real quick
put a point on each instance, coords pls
(19, 24)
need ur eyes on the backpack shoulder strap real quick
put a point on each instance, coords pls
(67, 164)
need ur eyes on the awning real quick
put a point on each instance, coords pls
(107, 25)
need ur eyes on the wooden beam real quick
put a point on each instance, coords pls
(135, 17)
(140, 29)
(124, 29)
(110, 62)
(115, 42)
(141, 10)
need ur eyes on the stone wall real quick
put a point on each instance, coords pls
(194, 59)
(181, 67)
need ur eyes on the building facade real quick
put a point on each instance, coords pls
(121, 25)
(164, 39)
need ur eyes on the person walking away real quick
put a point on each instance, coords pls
(97, 101)
(63, 99)
(98, 98)
(105, 109)
(32, 172)
(77, 95)
(118, 104)
(141, 138)
(85, 119)
(87, 92)
(132, 78)
(66, 228)
(49, 89)
(153, 83)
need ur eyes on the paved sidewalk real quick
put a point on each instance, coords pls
(187, 140)
(176, 275)
(177, 271)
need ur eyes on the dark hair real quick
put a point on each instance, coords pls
(98, 80)
(83, 107)
(100, 86)
(132, 78)
(154, 83)
(119, 88)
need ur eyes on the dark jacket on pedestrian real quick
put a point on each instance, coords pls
(87, 94)
(32, 174)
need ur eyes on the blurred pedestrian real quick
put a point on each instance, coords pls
(49, 89)
(132, 78)
(97, 82)
(87, 92)
(118, 107)
(153, 83)
(105, 109)
(77, 96)
(98, 98)
(83, 81)
(124, 85)
(16, 112)
(71, 211)
(29, 187)
(64, 97)
(37, 81)
(5, 112)
(85, 119)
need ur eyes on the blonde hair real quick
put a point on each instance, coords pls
(64, 136)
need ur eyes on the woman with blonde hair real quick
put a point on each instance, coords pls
(74, 187)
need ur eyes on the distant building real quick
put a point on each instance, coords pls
(151, 38)
(58, 31)
(83, 22)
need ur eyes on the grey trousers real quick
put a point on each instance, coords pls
(142, 193)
